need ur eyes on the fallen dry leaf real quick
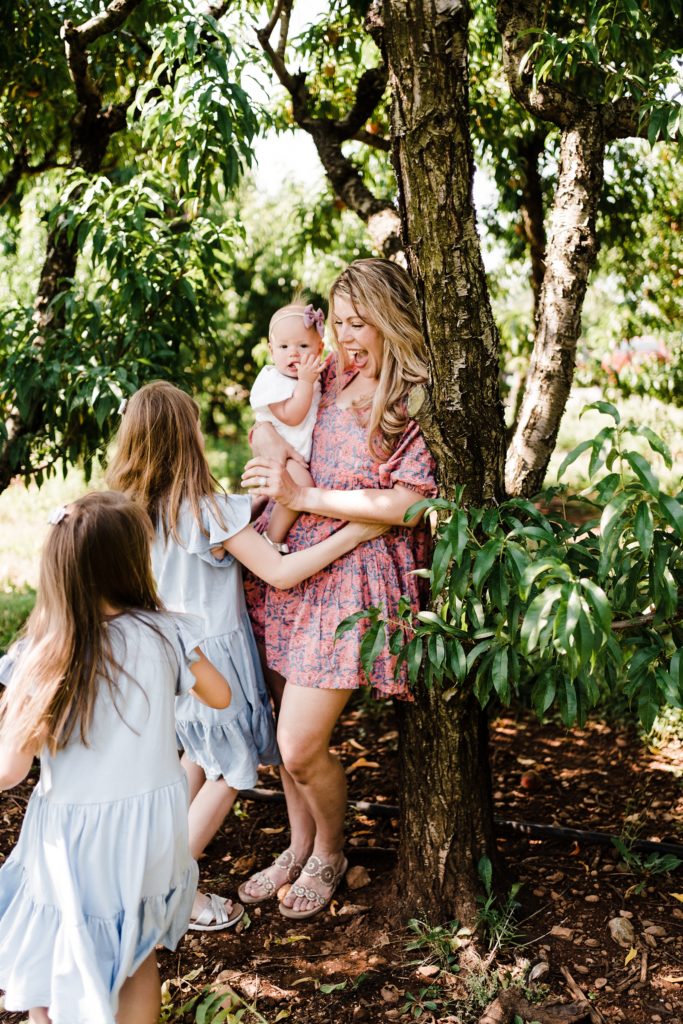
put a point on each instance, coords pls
(361, 762)
(357, 877)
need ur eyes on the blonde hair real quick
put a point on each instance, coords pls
(159, 460)
(98, 552)
(383, 296)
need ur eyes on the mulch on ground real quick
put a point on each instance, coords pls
(351, 963)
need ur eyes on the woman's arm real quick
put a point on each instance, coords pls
(374, 505)
(284, 571)
(211, 688)
(15, 765)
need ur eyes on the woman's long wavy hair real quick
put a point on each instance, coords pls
(383, 295)
(159, 460)
(98, 553)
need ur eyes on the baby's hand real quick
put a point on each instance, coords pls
(218, 552)
(310, 368)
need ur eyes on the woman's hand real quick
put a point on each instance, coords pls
(269, 478)
(267, 443)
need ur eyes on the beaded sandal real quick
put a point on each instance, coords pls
(285, 860)
(315, 868)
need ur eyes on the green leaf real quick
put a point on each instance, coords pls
(648, 703)
(485, 872)
(567, 701)
(606, 408)
(643, 527)
(458, 661)
(483, 563)
(543, 693)
(598, 599)
(672, 510)
(499, 674)
(657, 444)
(371, 646)
(348, 623)
(642, 470)
(414, 658)
(573, 456)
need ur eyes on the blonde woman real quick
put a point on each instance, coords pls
(201, 537)
(370, 464)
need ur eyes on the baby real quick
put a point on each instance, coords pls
(287, 394)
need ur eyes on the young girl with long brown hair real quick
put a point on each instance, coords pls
(202, 536)
(102, 871)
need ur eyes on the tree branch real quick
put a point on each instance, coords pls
(516, 19)
(374, 141)
(380, 216)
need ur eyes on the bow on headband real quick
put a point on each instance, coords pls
(314, 318)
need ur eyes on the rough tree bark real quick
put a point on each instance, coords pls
(447, 821)
(570, 257)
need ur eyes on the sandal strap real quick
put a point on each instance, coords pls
(309, 894)
(288, 860)
(315, 867)
(216, 910)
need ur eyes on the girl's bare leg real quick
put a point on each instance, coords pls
(207, 813)
(282, 518)
(39, 1015)
(140, 996)
(195, 776)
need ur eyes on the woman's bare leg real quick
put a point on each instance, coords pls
(140, 996)
(301, 823)
(307, 718)
(39, 1015)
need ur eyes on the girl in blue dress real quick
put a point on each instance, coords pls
(202, 536)
(102, 871)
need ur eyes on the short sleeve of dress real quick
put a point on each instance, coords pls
(187, 631)
(7, 664)
(270, 387)
(221, 520)
(411, 464)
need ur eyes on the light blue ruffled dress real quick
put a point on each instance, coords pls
(230, 743)
(102, 871)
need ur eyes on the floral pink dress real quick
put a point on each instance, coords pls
(300, 623)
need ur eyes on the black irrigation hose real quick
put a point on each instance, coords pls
(503, 826)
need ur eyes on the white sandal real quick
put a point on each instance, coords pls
(215, 917)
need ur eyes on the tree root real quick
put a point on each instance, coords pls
(511, 1002)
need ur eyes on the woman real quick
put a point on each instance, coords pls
(370, 463)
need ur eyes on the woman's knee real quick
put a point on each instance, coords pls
(301, 755)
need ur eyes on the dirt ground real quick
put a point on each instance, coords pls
(353, 964)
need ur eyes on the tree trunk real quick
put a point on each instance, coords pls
(531, 210)
(446, 805)
(571, 254)
(447, 822)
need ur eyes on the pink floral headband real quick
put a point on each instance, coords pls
(311, 317)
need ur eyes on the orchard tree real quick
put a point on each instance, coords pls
(131, 122)
(593, 76)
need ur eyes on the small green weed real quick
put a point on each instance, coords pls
(496, 916)
(426, 1001)
(205, 1007)
(438, 944)
(645, 865)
